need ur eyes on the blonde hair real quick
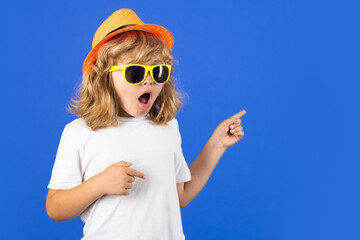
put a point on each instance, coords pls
(96, 99)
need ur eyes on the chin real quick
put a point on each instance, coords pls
(141, 114)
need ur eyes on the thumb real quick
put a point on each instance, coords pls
(123, 163)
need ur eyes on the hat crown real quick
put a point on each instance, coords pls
(121, 21)
(118, 19)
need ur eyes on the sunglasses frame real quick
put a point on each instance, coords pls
(148, 68)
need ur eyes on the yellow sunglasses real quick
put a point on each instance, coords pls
(135, 74)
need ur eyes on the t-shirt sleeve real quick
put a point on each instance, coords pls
(66, 172)
(182, 170)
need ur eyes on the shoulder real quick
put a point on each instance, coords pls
(77, 128)
(78, 123)
(173, 123)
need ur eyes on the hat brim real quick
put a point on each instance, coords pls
(161, 32)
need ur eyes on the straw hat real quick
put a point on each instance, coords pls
(123, 20)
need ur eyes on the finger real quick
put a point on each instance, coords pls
(131, 178)
(241, 133)
(235, 118)
(237, 129)
(239, 114)
(128, 186)
(236, 124)
(123, 164)
(133, 172)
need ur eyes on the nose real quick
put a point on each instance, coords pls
(148, 79)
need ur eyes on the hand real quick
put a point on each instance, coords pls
(118, 177)
(223, 135)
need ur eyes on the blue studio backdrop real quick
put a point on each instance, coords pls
(292, 65)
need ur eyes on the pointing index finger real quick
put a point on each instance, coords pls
(240, 114)
(133, 172)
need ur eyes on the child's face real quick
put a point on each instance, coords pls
(128, 95)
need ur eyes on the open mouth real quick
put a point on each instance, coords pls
(144, 98)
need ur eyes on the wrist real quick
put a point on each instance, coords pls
(97, 184)
(216, 144)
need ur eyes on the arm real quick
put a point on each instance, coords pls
(66, 204)
(201, 170)
(225, 135)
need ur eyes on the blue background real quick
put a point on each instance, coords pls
(292, 65)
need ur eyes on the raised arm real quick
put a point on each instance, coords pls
(225, 135)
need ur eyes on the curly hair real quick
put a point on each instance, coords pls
(96, 100)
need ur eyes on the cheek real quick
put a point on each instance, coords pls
(119, 88)
(159, 91)
(123, 91)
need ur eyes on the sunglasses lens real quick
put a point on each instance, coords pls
(134, 74)
(161, 73)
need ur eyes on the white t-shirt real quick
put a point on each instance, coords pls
(151, 211)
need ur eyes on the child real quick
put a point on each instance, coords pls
(120, 165)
